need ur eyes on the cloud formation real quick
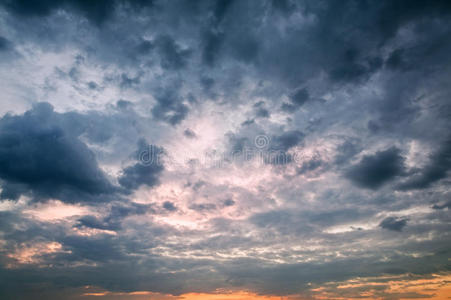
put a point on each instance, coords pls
(263, 149)
(39, 156)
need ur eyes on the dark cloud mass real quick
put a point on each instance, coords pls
(170, 107)
(146, 170)
(287, 140)
(241, 149)
(172, 56)
(393, 224)
(375, 170)
(435, 170)
(4, 44)
(96, 11)
(38, 155)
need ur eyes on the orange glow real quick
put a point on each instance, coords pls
(435, 287)
(31, 254)
(222, 295)
(231, 296)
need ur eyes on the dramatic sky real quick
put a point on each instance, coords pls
(225, 149)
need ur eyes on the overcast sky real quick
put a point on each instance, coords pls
(225, 149)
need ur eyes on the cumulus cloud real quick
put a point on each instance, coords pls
(38, 155)
(146, 170)
(375, 170)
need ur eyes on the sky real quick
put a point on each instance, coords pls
(225, 150)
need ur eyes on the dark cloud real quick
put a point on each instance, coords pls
(38, 155)
(213, 36)
(173, 57)
(442, 206)
(248, 122)
(350, 70)
(145, 47)
(396, 60)
(94, 222)
(310, 165)
(435, 170)
(96, 11)
(92, 85)
(189, 133)
(375, 170)
(260, 110)
(117, 213)
(395, 13)
(199, 184)
(299, 97)
(128, 82)
(125, 209)
(202, 207)
(41, 154)
(213, 41)
(100, 249)
(238, 144)
(170, 107)
(244, 47)
(223, 37)
(229, 202)
(285, 6)
(346, 151)
(394, 224)
(124, 104)
(146, 170)
(373, 126)
(207, 83)
(287, 140)
(299, 223)
(12, 191)
(273, 148)
(337, 47)
(4, 44)
(169, 206)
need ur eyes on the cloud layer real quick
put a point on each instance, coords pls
(171, 149)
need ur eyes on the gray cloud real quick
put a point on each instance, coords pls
(117, 213)
(146, 170)
(170, 107)
(394, 224)
(38, 155)
(169, 206)
(440, 163)
(4, 44)
(287, 140)
(374, 171)
(189, 133)
(172, 55)
(97, 12)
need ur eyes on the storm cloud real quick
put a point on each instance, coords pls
(375, 170)
(37, 155)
